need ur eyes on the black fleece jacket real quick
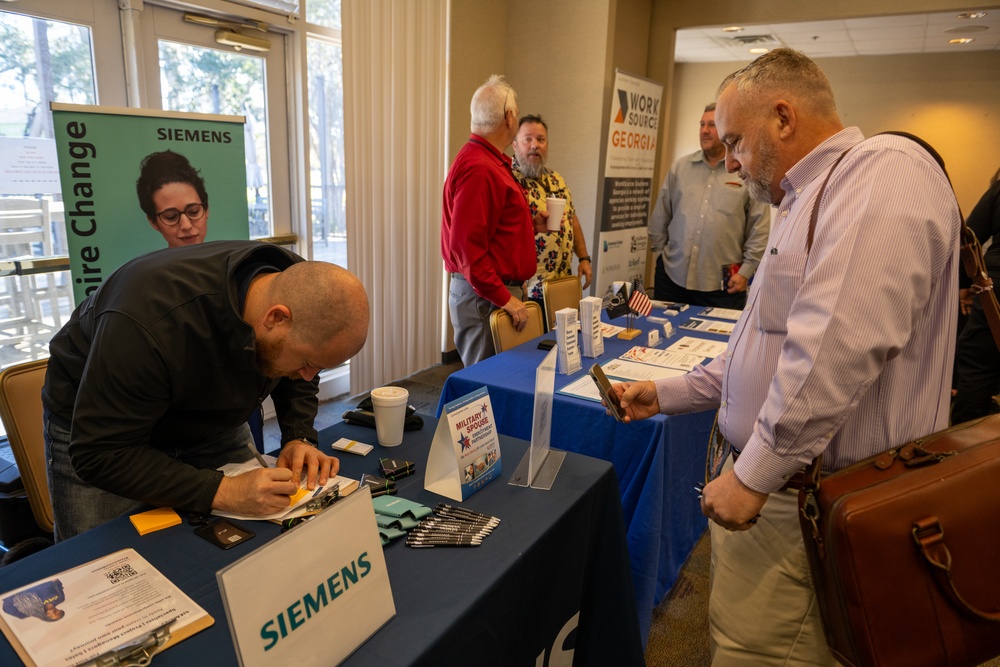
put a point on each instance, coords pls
(158, 359)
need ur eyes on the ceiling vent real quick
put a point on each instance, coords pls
(763, 40)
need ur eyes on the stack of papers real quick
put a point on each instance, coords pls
(299, 500)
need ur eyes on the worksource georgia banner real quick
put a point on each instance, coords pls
(100, 150)
(628, 179)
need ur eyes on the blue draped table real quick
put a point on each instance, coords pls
(550, 580)
(657, 461)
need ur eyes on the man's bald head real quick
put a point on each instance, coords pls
(326, 301)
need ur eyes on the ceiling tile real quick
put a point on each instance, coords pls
(873, 35)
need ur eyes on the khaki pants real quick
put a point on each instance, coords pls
(762, 607)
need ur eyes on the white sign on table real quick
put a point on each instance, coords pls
(465, 452)
(567, 324)
(590, 326)
(291, 602)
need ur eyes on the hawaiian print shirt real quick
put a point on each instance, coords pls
(554, 250)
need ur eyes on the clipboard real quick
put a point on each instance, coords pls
(39, 642)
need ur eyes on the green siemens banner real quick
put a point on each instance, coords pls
(101, 152)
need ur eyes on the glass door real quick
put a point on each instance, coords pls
(194, 63)
(41, 60)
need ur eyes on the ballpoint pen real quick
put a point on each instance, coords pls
(260, 459)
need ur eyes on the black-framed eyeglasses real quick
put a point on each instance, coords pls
(172, 216)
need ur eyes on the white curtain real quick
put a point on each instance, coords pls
(394, 117)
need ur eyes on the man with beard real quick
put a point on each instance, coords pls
(844, 348)
(150, 383)
(705, 219)
(554, 251)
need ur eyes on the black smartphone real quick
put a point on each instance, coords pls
(607, 393)
(224, 534)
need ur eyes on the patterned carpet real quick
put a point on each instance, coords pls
(679, 633)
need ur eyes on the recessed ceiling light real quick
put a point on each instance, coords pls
(975, 27)
(971, 15)
(961, 40)
(758, 51)
(733, 28)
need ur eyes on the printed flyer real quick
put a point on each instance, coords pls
(83, 613)
(465, 453)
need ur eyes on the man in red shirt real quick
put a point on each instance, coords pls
(487, 232)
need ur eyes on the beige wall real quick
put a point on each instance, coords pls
(477, 45)
(561, 74)
(565, 75)
(951, 100)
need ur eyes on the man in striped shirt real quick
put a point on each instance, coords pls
(843, 350)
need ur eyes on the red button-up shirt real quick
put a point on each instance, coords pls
(486, 230)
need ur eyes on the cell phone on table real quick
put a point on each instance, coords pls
(224, 534)
(607, 393)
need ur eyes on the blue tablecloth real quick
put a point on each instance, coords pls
(657, 461)
(551, 579)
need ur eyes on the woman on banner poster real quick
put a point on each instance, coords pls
(172, 195)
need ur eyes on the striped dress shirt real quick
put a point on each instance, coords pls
(845, 350)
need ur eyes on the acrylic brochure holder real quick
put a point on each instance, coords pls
(540, 465)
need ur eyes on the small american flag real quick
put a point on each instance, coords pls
(639, 302)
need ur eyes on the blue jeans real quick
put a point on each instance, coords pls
(78, 506)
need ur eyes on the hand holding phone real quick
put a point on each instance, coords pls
(607, 393)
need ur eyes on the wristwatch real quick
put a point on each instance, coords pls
(585, 258)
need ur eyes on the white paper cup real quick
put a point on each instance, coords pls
(556, 207)
(389, 404)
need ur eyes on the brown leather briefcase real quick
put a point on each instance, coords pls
(904, 550)
(904, 547)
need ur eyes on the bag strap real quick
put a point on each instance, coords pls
(929, 536)
(971, 251)
(972, 259)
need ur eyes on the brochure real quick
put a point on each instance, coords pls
(98, 608)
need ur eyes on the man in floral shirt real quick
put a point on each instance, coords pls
(555, 251)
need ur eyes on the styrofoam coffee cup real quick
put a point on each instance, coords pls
(556, 207)
(389, 404)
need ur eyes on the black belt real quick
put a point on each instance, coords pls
(507, 283)
(794, 483)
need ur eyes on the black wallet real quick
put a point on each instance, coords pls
(364, 415)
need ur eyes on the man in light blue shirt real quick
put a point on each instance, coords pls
(705, 220)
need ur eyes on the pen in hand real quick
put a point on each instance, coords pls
(260, 459)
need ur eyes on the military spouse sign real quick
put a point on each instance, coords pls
(100, 150)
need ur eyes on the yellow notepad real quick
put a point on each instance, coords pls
(158, 519)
